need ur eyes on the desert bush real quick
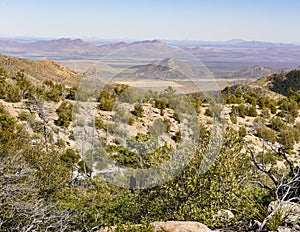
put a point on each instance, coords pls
(207, 112)
(273, 108)
(119, 89)
(138, 110)
(287, 139)
(250, 99)
(64, 112)
(176, 117)
(266, 134)
(131, 120)
(240, 110)
(99, 124)
(52, 91)
(233, 117)
(177, 136)
(242, 132)
(25, 116)
(277, 124)
(106, 100)
(251, 111)
(13, 93)
(265, 113)
(281, 114)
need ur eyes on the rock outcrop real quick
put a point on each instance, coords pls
(180, 226)
(173, 226)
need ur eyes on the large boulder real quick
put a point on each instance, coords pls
(180, 226)
(172, 226)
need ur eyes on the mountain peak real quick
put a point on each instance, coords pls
(154, 41)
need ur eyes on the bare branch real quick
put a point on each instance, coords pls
(261, 167)
(280, 152)
(261, 185)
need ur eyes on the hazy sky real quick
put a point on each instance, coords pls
(270, 20)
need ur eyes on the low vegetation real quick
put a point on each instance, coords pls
(47, 185)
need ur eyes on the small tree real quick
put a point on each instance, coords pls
(13, 93)
(64, 114)
(106, 100)
(266, 134)
(138, 110)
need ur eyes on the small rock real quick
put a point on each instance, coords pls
(224, 215)
(290, 211)
(284, 229)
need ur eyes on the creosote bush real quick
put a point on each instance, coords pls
(266, 134)
(138, 110)
(64, 114)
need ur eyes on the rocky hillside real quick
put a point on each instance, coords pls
(38, 71)
(254, 72)
(49, 180)
(169, 69)
(281, 83)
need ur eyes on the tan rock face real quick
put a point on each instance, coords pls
(174, 226)
(180, 226)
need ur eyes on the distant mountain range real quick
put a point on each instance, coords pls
(63, 48)
(225, 59)
(231, 43)
(254, 72)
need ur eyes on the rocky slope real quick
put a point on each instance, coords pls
(38, 71)
(281, 83)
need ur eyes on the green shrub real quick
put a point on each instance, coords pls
(106, 100)
(119, 89)
(273, 108)
(277, 124)
(239, 110)
(70, 157)
(251, 111)
(37, 126)
(13, 93)
(233, 117)
(25, 116)
(293, 109)
(177, 137)
(207, 112)
(287, 138)
(64, 114)
(281, 114)
(72, 93)
(61, 143)
(250, 99)
(176, 117)
(242, 132)
(160, 104)
(131, 120)
(3, 74)
(138, 110)
(99, 124)
(265, 113)
(266, 134)
(290, 119)
(168, 123)
(26, 87)
(52, 91)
